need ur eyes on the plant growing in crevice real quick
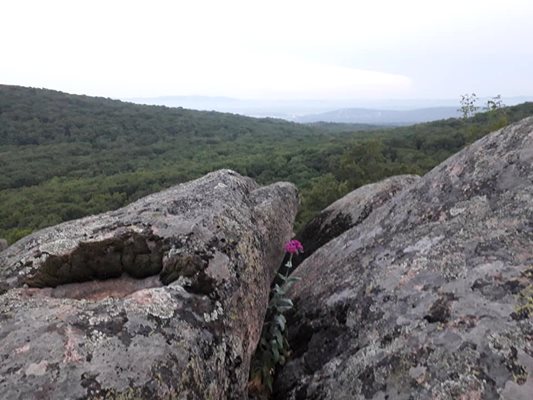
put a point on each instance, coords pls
(273, 349)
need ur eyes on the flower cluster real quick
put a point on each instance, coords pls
(293, 247)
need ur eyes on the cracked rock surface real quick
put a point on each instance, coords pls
(422, 299)
(164, 298)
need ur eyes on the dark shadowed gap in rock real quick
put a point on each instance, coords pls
(316, 233)
(440, 310)
(132, 253)
(313, 236)
(119, 266)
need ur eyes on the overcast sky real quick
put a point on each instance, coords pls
(270, 49)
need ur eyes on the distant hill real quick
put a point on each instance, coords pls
(42, 116)
(382, 117)
(304, 110)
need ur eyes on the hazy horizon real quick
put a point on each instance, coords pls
(302, 110)
(334, 50)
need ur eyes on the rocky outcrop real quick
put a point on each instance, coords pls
(3, 244)
(349, 211)
(164, 298)
(424, 299)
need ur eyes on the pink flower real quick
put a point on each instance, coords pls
(293, 247)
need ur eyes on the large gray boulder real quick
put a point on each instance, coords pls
(425, 298)
(162, 299)
(349, 211)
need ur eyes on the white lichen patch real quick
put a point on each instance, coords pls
(171, 253)
(97, 336)
(37, 369)
(369, 355)
(22, 349)
(455, 211)
(424, 245)
(411, 270)
(343, 295)
(182, 282)
(156, 302)
(215, 314)
(501, 343)
(467, 384)
(99, 319)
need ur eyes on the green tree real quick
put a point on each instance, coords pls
(362, 163)
(323, 191)
(468, 105)
(494, 103)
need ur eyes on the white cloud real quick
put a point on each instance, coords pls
(322, 49)
(266, 77)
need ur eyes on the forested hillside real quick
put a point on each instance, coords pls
(65, 156)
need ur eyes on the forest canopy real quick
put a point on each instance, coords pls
(67, 156)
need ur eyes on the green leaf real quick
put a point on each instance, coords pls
(268, 382)
(275, 300)
(280, 321)
(286, 302)
(278, 290)
(287, 286)
(282, 277)
(273, 330)
(279, 338)
(281, 304)
(275, 352)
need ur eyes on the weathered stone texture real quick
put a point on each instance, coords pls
(162, 299)
(349, 211)
(422, 299)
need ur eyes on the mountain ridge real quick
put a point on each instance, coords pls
(383, 116)
(293, 110)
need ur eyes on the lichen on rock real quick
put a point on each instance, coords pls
(422, 299)
(349, 211)
(141, 302)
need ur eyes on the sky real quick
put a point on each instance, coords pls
(291, 49)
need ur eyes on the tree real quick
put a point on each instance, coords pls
(468, 105)
(495, 103)
(496, 112)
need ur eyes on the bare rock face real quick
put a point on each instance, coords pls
(349, 211)
(164, 298)
(425, 298)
